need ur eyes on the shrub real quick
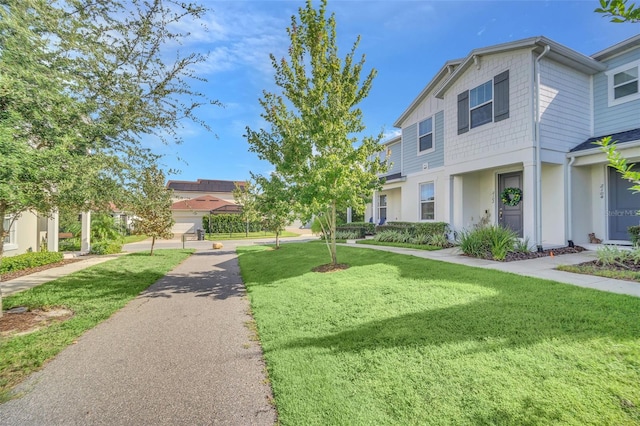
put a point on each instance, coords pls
(634, 233)
(29, 260)
(349, 235)
(393, 236)
(438, 240)
(416, 228)
(228, 223)
(611, 256)
(69, 244)
(522, 246)
(106, 247)
(369, 228)
(489, 242)
(356, 231)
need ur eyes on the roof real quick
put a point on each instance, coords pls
(619, 138)
(557, 52)
(618, 48)
(445, 71)
(391, 141)
(204, 185)
(204, 203)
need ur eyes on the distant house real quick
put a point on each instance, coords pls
(520, 117)
(31, 232)
(195, 200)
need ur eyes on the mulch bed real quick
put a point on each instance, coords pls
(513, 256)
(30, 321)
(15, 274)
(330, 267)
(626, 265)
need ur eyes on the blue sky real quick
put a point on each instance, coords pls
(405, 41)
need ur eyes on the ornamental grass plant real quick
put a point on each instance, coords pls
(490, 242)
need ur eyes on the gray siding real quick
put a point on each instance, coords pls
(395, 158)
(617, 118)
(412, 161)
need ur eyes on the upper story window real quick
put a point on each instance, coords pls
(623, 83)
(425, 135)
(481, 104)
(484, 104)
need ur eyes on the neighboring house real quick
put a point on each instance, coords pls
(194, 200)
(31, 232)
(519, 115)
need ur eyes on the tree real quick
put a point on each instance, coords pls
(245, 196)
(275, 203)
(314, 121)
(80, 82)
(151, 205)
(619, 10)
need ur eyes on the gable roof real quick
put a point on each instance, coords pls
(204, 185)
(617, 48)
(204, 203)
(557, 52)
(445, 71)
(619, 138)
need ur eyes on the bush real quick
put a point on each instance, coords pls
(355, 231)
(106, 247)
(29, 260)
(69, 244)
(493, 242)
(393, 236)
(349, 235)
(368, 228)
(228, 223)
(634, 233)
(416, 228)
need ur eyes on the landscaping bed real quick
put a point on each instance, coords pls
(27, 271)
(522, 255)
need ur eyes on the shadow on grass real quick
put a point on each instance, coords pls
(521, 311)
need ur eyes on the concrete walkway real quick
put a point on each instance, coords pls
(180, 353)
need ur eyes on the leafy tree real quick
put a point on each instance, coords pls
(314, 121)
(245, 196)
(619, 10)
(80, 82)
(275, 203)
(151, 204)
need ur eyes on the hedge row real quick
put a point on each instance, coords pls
(228, 223)
(415, 229)
(29, 260)
(365, 227)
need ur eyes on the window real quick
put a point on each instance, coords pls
(10, 239)
(481, 104)
(425, 135)
(623, 83)
(484, 104)
(427, 201)
(382, 208)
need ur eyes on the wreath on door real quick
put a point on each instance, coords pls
(511, 196)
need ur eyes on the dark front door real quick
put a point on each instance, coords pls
(623, 206)
(510, 216)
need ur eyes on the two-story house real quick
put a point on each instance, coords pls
(509, 116)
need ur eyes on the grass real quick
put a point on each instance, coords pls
(134, 238)
(404, 245)
(243, 235)
(618, 274)
(93, 294)
(403, 340)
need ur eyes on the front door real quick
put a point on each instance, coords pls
(510, 216)
(623, 206)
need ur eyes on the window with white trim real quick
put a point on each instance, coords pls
(425, 135)
(382, 207)
(427, 201)
(10, 238)
(624, 83)
(481, 104)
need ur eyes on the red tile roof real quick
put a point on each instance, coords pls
(204, 203)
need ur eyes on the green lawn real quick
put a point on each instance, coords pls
(402, 340)
(251, 236)
(93, 295)
(403, 245)
(134, 238)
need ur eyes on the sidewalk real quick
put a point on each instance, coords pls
(180, 353)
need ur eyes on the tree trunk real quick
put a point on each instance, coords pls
(153, 242)
(332, 227)
(246, 233)
(2, 213)
(277, 239)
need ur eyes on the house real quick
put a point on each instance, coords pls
(194, 200)
(519, 118)
(30, 232)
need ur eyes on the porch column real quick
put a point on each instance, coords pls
(52, 231)
(457, 203)
(374, 205)
(85, 245)
(529, 220)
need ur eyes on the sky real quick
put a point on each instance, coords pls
(407, 42)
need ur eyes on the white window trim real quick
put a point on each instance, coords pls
(433, 136)
(610, 91)
(482, 104)
(381, 206)
(13, 236)
(433, 182)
